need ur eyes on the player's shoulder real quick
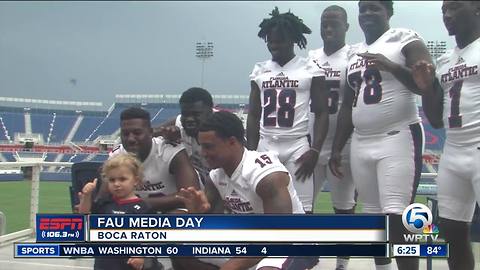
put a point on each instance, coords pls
(401, 35)
(164, 149)
(315, 54)
(260, 68)
(256, 163)
(308, 65)
(118, 149)
(353, 49)
(178, 121)
(344, 50)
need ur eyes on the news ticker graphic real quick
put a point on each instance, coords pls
(24, 250)
(420, 250)
(60, 228)
(237, 228)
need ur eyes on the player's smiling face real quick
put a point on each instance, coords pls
(121, 182)
(373, 17)
(333, 27)
(192, 115)
(280, 46)
(136, 135)
(457, 16)
(215, 150)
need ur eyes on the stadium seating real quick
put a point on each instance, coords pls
(13, 120)
(92, 124)
(87, 126)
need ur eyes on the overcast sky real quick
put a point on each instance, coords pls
(90, 51)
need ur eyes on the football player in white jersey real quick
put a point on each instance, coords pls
(166, 167)
(333, 59)
(380, 109)
(452, 100)
(243, 181)
(195, 104)
(281, 90)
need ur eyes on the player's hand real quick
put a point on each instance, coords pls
(136, 262)
(171, 134)
(335, 163)
(423, 74)
(88, 189)
(378, 61)
(307, 164)
(195, 200)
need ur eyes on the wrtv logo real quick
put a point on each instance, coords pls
(417, 218)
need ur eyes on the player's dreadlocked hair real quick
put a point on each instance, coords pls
(289, 24)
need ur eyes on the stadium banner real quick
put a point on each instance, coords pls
(36, 250)
(238, 228)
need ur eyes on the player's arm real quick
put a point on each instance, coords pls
(343, 132)
(185, 176)
(169, 131)
(182, 169)
(273, 189)
(413, 52)
(319, 105)
(253, 118)
(157, 131)
(432, 92)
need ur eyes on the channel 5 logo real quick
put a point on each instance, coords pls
(61, 228)
(417, 218)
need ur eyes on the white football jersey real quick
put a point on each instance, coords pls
(239, 190)
(193, 150)
(382, 103)
(458, 74)
(335, 67)
(157, 180)
(285, 96)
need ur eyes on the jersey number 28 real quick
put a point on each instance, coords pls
(279, 107)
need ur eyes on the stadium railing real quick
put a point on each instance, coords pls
(3, 224)
(34, 199)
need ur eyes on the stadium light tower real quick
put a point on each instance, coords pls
(204, 50)
(436, 48)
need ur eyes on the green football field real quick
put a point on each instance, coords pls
(55, 198)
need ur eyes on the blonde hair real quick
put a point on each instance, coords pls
(123, 160)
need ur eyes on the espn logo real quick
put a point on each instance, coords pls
(60, 228)
(60, 223)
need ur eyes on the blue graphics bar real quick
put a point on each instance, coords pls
(216, 222)
(238, 228)
(205, 250)
(420, 250)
